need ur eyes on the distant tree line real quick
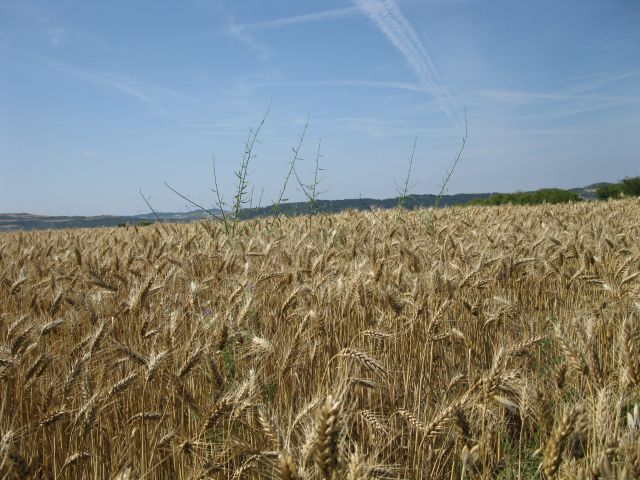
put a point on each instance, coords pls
(545, 195)
(629, 187)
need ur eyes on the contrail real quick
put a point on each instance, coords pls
(386, 15)
(335, 14)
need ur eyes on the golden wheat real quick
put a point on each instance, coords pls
(357, 345)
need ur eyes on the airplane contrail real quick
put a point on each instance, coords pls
(386, 15)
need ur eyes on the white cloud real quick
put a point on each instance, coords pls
(581, 94)
(368, 84)
(383, 84)
(240, 33)
(334, 14)
(142, 91)
(42, 21)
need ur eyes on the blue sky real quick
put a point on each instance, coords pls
(99, 99)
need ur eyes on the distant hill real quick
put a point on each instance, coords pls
(26, 221)
(335, 206)
(589, 192)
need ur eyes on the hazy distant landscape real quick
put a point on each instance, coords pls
(26, 221)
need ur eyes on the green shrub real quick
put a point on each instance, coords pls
(609, 191)
(631, 186)
(545, 195)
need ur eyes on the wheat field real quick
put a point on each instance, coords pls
(471, 342)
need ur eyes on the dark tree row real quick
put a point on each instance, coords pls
(629, 186)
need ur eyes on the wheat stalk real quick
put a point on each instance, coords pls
(327, 432)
